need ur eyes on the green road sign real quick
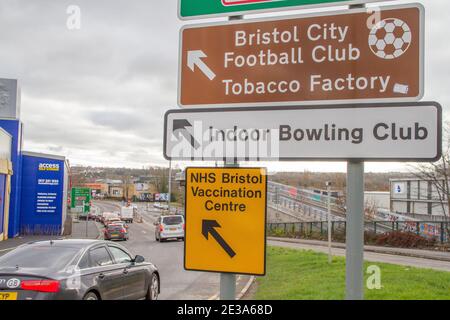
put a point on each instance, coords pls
(191, 9)
(81, 197)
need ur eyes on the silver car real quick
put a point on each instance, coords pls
(169, 227)
(76, 270)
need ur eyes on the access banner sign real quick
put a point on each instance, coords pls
(327, 58)
(226, 220)
(193, 9)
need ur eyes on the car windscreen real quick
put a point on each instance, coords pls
(115, 228)
(39, 257)
(170, 221)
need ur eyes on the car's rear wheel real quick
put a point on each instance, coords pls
(153, 288)
(91, 296)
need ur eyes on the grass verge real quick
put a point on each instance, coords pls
(306, 275)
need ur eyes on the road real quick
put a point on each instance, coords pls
(176, 283)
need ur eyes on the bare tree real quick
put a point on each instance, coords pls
(438, 174)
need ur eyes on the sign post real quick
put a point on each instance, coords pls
(228, 280)
(354, 240)
(87, 220)
(355, 231)
(169, 198)
(272, 81)
(330, 256)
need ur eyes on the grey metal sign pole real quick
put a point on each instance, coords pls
(330, 256)
(354, 256)
(227, 286)
(228, 280)
(355, 231)
(87, 218)
(169, 199)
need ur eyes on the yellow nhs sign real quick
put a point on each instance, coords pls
(226, 220)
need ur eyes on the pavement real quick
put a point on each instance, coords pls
(78, 232)
(417, 253)
(368, 256)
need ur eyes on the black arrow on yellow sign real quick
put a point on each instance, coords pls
(209, 227)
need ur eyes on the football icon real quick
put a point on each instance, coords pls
(390, 38)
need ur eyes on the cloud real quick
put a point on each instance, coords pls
(98, 95)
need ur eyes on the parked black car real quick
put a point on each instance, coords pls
(76, 270)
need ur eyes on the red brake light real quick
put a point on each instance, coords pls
(184, 226)
(161, 228)
(123, 230)
(40, 285)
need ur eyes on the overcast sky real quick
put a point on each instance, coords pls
(98, 95)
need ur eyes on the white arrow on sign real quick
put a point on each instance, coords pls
(194, 58)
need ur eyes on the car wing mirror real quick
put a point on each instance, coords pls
(139, 259)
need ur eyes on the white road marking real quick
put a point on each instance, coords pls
(243, 291)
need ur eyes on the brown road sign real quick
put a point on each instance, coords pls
(346, 56)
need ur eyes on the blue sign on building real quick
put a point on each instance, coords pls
(44, 194)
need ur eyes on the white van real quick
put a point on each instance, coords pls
(169, 227)
(127, 214)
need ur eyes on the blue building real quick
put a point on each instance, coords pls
(33, 187)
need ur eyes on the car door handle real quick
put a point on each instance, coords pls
(125, 271)
(101, 276)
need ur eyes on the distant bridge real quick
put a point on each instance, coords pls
(302, 205)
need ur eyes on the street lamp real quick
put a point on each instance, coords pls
(328, 184)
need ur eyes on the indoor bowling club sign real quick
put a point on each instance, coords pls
(226, 220)
(368, 132)
(193, 9)
(320, 58)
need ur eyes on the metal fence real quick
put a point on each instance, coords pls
(439, 231)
